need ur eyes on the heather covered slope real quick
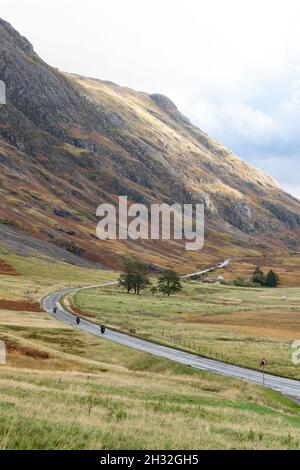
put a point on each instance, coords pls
(68, 143)
(65, 389)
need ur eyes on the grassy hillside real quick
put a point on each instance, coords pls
(38, 277)
(236, 325)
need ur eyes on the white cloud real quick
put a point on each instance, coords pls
(293, 189)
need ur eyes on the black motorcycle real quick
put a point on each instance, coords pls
(102, 329)
(77, 320)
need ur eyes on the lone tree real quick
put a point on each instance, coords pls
(169, 282)
(258, 276)
(126, 281)
(272, 279)
(135, 277)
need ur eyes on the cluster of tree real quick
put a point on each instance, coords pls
(168, 283)
(259, 279)
(135, 278)
(271, 279)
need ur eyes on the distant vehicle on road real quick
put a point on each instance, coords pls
(224, 264)
(55, 310)
(102, 329)
(78, 320)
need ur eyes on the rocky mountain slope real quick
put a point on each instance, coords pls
(69, 143)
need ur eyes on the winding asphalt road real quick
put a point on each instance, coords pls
(287, 387)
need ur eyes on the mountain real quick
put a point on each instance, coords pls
(69, 143)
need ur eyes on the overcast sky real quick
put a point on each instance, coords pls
(233, 67)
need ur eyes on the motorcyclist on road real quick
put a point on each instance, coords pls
(103, 329)
(55, 310)
(77, 320)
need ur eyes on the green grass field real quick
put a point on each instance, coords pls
(236, 325)
(64, 389)
(40, 277)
